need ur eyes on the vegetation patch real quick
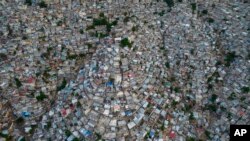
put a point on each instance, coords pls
(3, 57)
(245, 89)
(125, 42)
(193, 6)
(63, 85)
(229, 58)
(210, 20)
(18, 82)
(41, 96)
(28, 2)
(42, 4)
(170, 3)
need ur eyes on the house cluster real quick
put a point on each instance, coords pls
(123, 70)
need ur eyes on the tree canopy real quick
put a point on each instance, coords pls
(170, 3)
(125, 42)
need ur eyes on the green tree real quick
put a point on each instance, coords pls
(210, 20)
(204, 12)
(23, 139)
(207, 133)
(81, 31)
(213, 98)
(18, 82)
(90, 27)
(42, 4)
(75, 139)
(63, 85)
(232, 96)
(109, 25)
(28, 2)
(191, 116)
(135, 28)
(67, 133)
(212, 107)
(6, 136)
(170, 3)
(59, 23)
(125, 42)
(98, 136)
(41, 97)
(3, 57)
(9, 30)
(230, 57)
(20, 120)
(100, 21)
(193, 5)
(245, 89)
(167, 65)
(190, 139)
(101, 14)
(48, 125)
(162, 127)
(126, 19)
